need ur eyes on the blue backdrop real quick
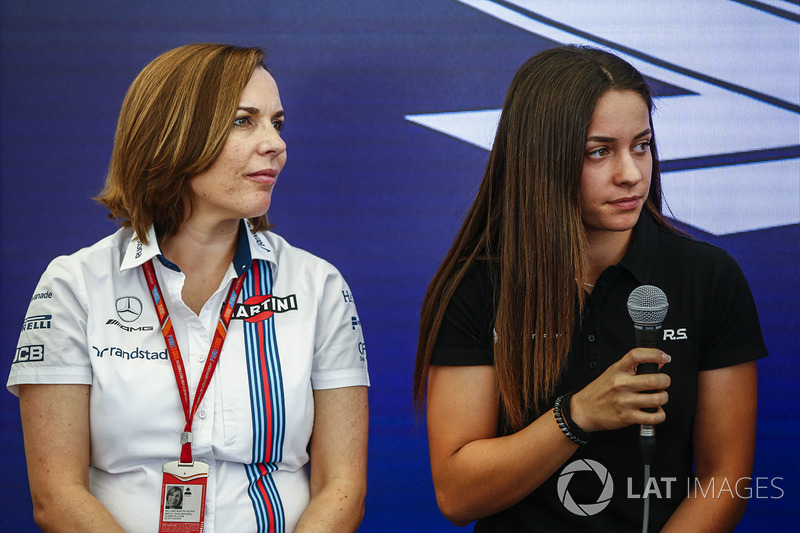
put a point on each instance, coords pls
(390, 108)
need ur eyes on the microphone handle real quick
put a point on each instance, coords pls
(647, 336)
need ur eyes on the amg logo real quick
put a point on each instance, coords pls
(258, 308)
(29, 354)
(675, 334)
(122, 326)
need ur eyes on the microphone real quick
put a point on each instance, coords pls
(647, 307)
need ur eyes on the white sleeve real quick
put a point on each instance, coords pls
(52, 346)
(340, 355)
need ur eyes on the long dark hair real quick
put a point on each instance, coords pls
(526, 221)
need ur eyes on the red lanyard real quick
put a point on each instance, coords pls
(175, 353)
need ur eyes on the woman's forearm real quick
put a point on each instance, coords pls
(339, 506)
(707, 508)
(55, 427)
(338, 455)
(724, 447)
(71, 509)
(489, 475)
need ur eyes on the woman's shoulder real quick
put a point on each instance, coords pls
(294, 258)
(483, 271)
(75, 277)
(102, 254)
(686, 258)
(478, 286)
(687, 248)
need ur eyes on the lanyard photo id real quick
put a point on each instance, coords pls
(184, 481)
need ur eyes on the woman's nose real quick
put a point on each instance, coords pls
(628, 171)
(271, 141)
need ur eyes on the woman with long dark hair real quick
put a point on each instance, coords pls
(525, 345)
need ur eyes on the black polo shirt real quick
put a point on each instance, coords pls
(711, 323)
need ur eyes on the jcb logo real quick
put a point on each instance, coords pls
(29, 353)
(675, 334)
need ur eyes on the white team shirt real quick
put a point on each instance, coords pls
(92, 321)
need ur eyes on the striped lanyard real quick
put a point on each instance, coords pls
(175, 354)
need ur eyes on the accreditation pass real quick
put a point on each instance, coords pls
(183, 496)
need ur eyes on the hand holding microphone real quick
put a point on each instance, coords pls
(647, 307)
(614, 400)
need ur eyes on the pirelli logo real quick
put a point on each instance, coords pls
(37, 322)
(258, 308)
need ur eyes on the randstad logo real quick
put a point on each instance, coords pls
(585, 509)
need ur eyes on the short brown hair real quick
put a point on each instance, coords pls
(173, 124)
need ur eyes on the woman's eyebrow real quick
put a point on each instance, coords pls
(598, 138)
(257, 111)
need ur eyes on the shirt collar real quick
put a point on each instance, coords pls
(137, 253)
(640, 259)
(249, 245)
(258, 245)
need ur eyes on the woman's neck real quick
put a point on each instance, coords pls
(606, 248)
(203, 252)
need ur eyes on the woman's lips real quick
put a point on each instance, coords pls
(264, 176)
(630, 202)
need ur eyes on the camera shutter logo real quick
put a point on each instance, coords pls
(585, 509)
(129, 308)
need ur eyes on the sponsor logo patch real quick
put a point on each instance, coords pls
(129, 308)
(258, 308)
(42, 296)
(120, 325)
(31, 353)
(135, 353)
(362, 349)
(675, 334)
(37, 322)
(258, 240)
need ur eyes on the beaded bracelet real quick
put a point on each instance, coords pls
(568, 426)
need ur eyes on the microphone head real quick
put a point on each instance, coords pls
(647, 305)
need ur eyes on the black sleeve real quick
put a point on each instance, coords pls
(733, 332)
(466, 336)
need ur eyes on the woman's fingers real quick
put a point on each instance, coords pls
(617, 398)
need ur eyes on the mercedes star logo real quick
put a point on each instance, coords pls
(129, 308)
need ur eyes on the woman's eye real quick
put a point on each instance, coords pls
(278, 125)
(598, 152)
(642, 146)
(241, 121)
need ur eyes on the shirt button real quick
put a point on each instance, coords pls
(591, 338)
(593, 364)
(202, 413)
(201, 357)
